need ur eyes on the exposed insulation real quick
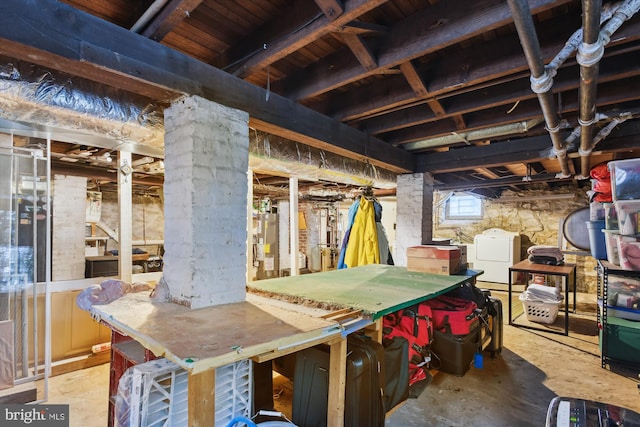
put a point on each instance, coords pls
(31, 94)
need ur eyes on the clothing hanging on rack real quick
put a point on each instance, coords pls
(345, 240)
(365, 240)
(363, 248)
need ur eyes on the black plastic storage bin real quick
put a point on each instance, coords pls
(454, 353)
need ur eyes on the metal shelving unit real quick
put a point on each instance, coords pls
(619, 338)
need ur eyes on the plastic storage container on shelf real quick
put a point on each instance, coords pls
(611, 243)
(625, 179)
(628, 212)
(610, 216)
(623, 340)
(621, 312)
(596, 211)
(623, 292)
(629, 252)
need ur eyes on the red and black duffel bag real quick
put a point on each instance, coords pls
(453, 315)
(414, 325)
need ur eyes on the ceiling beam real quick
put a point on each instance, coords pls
(459, 122)
(174, 12)
(420, 88)
(506, 94)
(612, 93)
(101, 173)
(493, 183)
(420, 34)
(624, 137)
(360, 50)
(289, 34)
(364, 28)
(473, 66)
(490, 117)
(535, 168)
(331, 8)
(75, 42)
(487, 172)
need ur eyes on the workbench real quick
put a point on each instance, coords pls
(262, 329)
(375, 290)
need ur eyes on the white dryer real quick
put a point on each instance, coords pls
(496, 251)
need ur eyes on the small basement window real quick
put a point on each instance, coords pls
(462, 206)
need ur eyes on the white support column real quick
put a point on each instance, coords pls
(293, 228)
(68, 233)
(125, 209)
(206, 164)
(414, 220)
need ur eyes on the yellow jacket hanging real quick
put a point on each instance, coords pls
(362, 248)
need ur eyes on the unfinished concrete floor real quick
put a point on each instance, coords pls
(514, 389)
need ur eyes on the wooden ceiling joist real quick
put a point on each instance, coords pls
(459, 24)
(360, 50)
(173, 13)
(331, 8)
(364, 28)
(290, 33)
(505, 95)
(100, 51)
(420, 88)
(624, 138)
(473, 66)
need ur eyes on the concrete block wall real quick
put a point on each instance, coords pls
(68, 226)
(414, 213)
(206, 165)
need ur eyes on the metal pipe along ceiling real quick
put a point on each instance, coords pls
(590, 52)
(152, 11)
(541, 81)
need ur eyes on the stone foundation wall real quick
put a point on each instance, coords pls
(536, 219)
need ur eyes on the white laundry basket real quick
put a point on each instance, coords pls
(540, 311)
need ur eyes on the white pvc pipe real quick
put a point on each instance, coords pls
(147, 15)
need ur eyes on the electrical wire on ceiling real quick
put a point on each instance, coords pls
(265, 46)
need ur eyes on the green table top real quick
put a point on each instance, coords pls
(375, 289)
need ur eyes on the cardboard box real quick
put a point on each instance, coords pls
(434, 259)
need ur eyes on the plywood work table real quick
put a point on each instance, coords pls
(260, 328)
(201, 340)
(375, 289)
(205, 338)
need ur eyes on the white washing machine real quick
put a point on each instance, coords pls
(495, 251)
